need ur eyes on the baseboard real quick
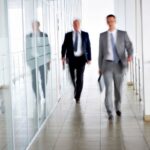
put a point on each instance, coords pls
(130, 83)
(147, 118)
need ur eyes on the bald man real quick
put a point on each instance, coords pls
(76, 50)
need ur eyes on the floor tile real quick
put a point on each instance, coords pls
(85, 126)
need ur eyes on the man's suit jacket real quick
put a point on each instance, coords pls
(68, 46)
(37, 50)
(123, 45)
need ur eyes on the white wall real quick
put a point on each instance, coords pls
(125, 13)
(120, 13)
(94, 20)
(2, 20)
(146, 53)
(3, 45)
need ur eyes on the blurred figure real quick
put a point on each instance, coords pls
(38, 58)
(76, 50)
(115, 51)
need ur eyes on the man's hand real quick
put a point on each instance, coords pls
(130, 58)
(49, 65)
(63, 62)
(88, 62)
(100, 71)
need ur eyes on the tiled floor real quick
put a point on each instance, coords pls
(85, 126)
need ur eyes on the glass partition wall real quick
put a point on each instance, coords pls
(32, 79)
(6, 130)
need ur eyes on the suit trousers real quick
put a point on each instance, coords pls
(113, 74)
(42, 72)
(76, 68)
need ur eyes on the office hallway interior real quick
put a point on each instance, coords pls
(85, 126)
(37, 107)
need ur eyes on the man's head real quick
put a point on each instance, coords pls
(76, 24)
(35, 26)
(111, 21)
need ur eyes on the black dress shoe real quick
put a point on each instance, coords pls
(118, 113)
(110, 118)
(77, 101)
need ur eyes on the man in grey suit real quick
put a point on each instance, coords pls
(115, 51)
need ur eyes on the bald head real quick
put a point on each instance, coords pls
(76, 25)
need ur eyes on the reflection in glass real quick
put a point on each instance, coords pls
(38, 54)
(6, 138)
(28, 90)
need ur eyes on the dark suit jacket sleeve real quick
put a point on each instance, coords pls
(64, 47)
(128, 45)
(89, 56)
(47, 46)
(100, 58)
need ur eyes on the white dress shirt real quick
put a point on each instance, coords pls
(79, 51)
(110, 48)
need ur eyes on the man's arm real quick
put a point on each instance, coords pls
(129, 47)
(47, 45)
(64, 47)
(48, 50)
(100, 58)
(89, 56)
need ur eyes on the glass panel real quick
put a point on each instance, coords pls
(30, 67)
(19, 101)
(36, 32)
(47, 58)
(53, 54)
(41, 40)
(6, 139)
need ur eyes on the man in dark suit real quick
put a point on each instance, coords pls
(76, 50)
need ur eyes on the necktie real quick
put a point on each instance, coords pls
(115, 54)
(76, 42)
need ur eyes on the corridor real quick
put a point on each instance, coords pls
(85, 126)
(37, 106)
